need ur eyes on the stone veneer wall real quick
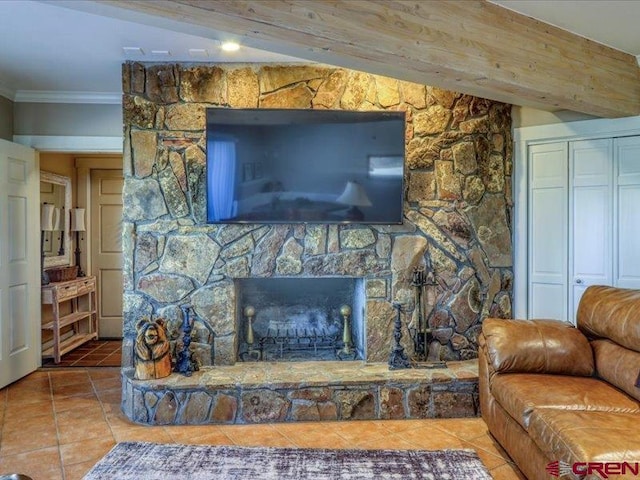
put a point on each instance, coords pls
(457, 206)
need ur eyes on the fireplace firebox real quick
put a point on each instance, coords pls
(287, 319)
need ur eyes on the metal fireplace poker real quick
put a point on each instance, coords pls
(421, 333)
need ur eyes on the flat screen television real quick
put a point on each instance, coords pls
(304, 166)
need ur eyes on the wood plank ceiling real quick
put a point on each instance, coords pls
(469, 46)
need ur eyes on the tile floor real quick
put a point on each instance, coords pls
(57, 423)
(96, 353)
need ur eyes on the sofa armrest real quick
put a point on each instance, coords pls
(537, 346)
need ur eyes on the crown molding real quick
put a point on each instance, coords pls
(7, 92)
(43, 96)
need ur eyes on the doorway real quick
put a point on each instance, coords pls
(106, 248)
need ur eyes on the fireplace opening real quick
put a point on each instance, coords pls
(300, 319)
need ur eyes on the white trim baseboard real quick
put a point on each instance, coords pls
(52, 143)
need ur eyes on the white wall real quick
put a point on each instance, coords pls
(67, 119)
(529, 117)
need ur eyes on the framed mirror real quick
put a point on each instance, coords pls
(55, 190)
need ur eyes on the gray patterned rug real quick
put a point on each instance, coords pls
(150, 461)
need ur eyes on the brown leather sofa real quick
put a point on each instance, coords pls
(552, 392)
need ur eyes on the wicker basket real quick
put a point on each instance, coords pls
(63, 274)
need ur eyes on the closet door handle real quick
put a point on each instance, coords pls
(579, 281)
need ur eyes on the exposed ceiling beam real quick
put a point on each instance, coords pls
(469, 46)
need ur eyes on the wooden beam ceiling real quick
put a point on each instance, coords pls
(469, 46)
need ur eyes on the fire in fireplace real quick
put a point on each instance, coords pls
(299, 319)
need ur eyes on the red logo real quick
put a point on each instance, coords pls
(558, 468)
(602, 469)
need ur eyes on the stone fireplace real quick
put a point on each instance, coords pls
(457, 212)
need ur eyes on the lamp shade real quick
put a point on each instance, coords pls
(354, 194)
(48, 218)
(77, 220)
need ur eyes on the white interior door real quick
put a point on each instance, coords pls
(19, 262)
(106, 248)
(591, 217)
(548, 230)
(627, 198)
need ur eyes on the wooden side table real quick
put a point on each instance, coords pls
(81, 294)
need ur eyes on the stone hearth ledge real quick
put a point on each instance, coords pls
(262, 392)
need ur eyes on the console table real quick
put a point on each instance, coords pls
(80, 293)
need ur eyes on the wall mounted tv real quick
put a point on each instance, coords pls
(304, 166)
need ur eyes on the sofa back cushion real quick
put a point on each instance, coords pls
(617, 365)
(537, 346)
(613, 313)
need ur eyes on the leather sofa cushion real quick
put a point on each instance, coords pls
(617, 365)
(613, 313)
(586, 435)
(537, 346)
(519, 394)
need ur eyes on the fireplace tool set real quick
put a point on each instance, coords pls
(421, 333)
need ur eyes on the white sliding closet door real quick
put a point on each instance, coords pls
(590, 217)
(627, 220)
(548, 231)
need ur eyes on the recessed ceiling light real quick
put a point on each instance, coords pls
(164, 53)
(198, 52)
(132, 51)
(230, 46)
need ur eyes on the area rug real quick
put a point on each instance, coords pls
(151, 461)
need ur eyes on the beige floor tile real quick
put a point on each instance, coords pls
(464, 428)
(491, 453)
(77, 471)
(21, 397)
(82, 428)
(21, 413)
(388, 442)
(489, 459)
(72, 390)
(38, 464)
(184, 434)
(398, 426)
(212, 437)
(141, 434)
(104, 373)
(28, 438)
(432, 439)
(83, 402)
(357, 432)
(69, 377)
(507, 472)
(256, 435)
(108, 383)
(3, 402)
(110, 396)
(85, 450)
